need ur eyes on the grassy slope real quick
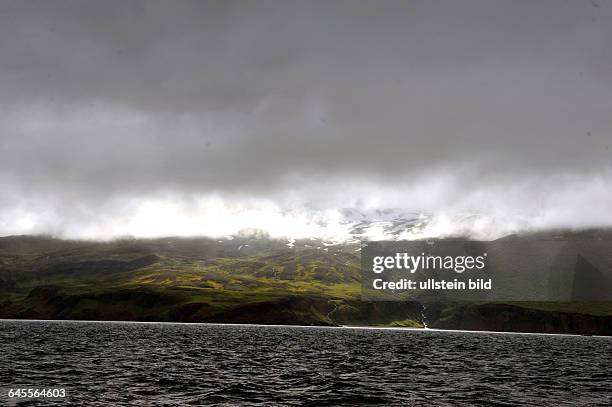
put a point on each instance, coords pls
(242, 280)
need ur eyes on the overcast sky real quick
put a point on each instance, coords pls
(154, 118)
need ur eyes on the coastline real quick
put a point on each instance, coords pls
(356, 327)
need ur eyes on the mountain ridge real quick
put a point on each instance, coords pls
(243, 279)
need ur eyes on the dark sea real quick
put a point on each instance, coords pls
(108, 364)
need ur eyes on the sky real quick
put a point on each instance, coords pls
(156, 118)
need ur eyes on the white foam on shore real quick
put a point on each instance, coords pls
(346, 327)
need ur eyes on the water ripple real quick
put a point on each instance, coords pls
(182, 364)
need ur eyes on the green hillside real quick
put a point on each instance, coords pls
(243, 280)
(192, 280)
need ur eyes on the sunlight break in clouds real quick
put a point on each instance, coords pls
(480, 213)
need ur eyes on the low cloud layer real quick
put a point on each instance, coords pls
(152, 119)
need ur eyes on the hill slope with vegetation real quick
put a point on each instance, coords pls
(239, 280)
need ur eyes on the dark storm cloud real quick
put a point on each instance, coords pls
(102, 99)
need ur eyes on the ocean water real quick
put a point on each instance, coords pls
(199, 364)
